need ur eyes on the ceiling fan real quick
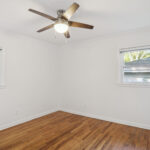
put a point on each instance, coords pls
(62, 22)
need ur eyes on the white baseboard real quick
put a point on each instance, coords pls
(124, 122)
(5, 126)
(129, 123)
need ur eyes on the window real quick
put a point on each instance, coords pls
(135, 65)
(1, 67)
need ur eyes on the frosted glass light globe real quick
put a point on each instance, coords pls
(61, 27)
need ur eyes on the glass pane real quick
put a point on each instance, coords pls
(136, 66)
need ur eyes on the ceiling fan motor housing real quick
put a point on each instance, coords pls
(62, 22)
(61, 19)
(60, 13)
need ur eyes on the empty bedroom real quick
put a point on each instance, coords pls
(75, 75)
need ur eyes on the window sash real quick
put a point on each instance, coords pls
(131, 49)
(123, 77)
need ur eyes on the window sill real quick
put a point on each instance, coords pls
(134, 85)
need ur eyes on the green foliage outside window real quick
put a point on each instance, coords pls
(136, 55)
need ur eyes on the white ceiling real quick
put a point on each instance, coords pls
(108, 16)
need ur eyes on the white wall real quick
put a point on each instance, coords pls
(81, 77)
(90, 80)
(31, 70)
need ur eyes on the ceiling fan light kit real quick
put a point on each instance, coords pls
(61, 26)
(62, 22)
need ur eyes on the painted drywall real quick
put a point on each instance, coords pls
(31, 78)
(80, 77)
(90, 79)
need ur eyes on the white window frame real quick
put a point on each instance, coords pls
(121, 73)
(2, 68)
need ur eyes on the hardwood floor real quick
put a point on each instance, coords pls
(65, 131)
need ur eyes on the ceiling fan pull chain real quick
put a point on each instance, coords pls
(66, 40)
(55, 34)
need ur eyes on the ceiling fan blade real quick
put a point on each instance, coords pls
(46, 28)
(43, 15)
(71, 10)
(67, 34)
(80, 25)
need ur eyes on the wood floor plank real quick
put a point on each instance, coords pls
(66, 131)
